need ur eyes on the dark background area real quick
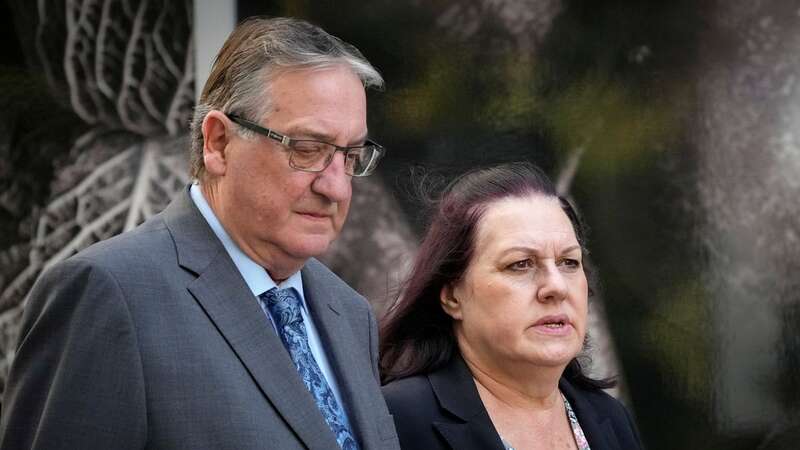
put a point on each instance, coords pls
(670, 125)
(619, 82)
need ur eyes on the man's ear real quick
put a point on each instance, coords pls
(450, 303)
(216, 136)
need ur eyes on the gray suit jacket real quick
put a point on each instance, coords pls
(153, 340)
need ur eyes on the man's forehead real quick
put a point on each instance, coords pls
(288, 76)
(322, 104)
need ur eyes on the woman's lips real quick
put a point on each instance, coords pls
(554, 325)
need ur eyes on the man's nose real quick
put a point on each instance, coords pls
(333, 182)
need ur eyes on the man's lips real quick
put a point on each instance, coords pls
(315, 215)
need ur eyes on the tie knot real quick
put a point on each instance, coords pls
(283, 305)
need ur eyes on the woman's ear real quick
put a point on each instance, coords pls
(449, 302)
(215, 142)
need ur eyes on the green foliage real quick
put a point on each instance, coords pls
(619, 130)
(514, 103)
(430, 99)
(680, 334)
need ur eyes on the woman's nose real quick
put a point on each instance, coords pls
(552, 284)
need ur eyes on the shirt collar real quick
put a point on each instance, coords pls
(256, 277)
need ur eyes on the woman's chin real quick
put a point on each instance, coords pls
(552, 356)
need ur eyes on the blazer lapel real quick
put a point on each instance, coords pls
(229, 304)
(596, 427)
(456, 392)
(324, 295)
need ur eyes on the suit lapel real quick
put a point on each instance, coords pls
(324, 296)
(456, 392)
(229, 304)
(596, 427)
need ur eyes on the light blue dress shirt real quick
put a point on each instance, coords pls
(259, 281)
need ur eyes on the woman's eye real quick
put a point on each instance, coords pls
(521, 265)
(572, 263)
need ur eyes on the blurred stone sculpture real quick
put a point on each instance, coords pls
(126, 68)
(748, 188)
(525, 23)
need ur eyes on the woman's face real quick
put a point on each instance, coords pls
(523, 298)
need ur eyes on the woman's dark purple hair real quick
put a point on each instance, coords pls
(416, 334)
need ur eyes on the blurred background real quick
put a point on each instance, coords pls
(672, 125)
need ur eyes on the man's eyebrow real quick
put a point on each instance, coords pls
(317, 135)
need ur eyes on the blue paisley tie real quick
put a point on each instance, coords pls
(284, 307)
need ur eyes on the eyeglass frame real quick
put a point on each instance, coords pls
(286, 141)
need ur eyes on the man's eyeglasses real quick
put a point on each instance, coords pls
(314, 156)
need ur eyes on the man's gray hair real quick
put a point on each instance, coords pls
(257, 51)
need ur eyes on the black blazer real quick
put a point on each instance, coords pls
(442, 410)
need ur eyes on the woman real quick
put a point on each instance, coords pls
(480, 350)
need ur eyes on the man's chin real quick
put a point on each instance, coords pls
(312, 246)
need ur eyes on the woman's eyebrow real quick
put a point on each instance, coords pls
(536, 249)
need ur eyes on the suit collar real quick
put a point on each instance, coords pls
(325, 296)
(224, 296)
(596, 425)
(323, 290)
(455, 390)
(195, 242)
(256, 277)
(456, 393)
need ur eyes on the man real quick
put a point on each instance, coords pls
(212, 325)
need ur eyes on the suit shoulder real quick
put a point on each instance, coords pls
(607, 406)
(150, 241)
(416, 411)
(104, 264)
(76, 290)
(406, 394)
(603, 401)
(151, 231)
(78, 270)
(315, 271)
(408, 384)
(135, 258)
